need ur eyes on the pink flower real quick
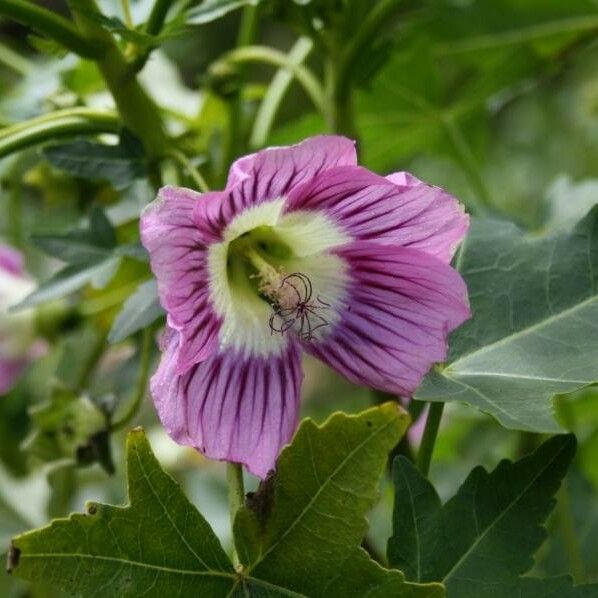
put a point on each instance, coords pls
(17, 331)
(302, 251)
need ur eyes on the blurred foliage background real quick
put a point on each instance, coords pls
(495, 100)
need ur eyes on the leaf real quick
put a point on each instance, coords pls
(210, 10)
(158, 543)
(533, 332)
(92, 256)
(548, 587)
(305, 524)
(486, 534)
(141, 309)
(119, 164)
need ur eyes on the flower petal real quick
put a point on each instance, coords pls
(10, 371)
(11, 260)
(179, 259)
(374, 208)
(400, 307)
(231, 407)
(271, 173)
(279, 169)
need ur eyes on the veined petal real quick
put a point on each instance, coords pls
(272, 173)
(179, 259)
(395, 210)
(233, 406)
(401, 305)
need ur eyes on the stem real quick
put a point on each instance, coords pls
(276, 91)
(51, 25)
(424, 456)
(193, 172)
(236, 494)
(137, 110)
(144, 371)
(304, 76)
(157, 16)
(61, 123)
(341, 69)
(128, 17)
(13, 60)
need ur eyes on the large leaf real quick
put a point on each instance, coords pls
(304, 526)
(533, 333)
(158, 544)
(486, 535)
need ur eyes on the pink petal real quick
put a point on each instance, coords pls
(231, 407)
(178, 256)
(373, 208)
(400, 307)
(11, 260)
(272, 173)
(279, 169)
(10, 372)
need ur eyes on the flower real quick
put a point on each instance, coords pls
(304, 250)
(17, 330)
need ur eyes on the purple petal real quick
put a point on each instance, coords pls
(400, 307)
(10, 371)
(272, 173)
(11, 260)
(404, 179)
(231, 407)
(178, 256)
(373, 208)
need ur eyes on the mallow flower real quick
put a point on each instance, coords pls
(18, 344)
(303, 250)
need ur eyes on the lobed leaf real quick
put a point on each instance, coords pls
(304, 526)
(485, 536)
(533, 332)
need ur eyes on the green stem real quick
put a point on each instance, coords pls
(193, 172)
(51, 25)
(140, 390)
(157, 16)
(268, 55)
(154, 26)
(19, 64)
(128, 17)
(236, 493)
(342, 68)
(424, 456)
(62, 123)
(280, 84)
(137, 110)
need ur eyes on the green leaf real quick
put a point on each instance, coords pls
(304, 526)
(92, 256)
(487, 533)
(533, 332)
(157, 544)
(141, 309)
(210, 10)
(548, 587)
(119, 164)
